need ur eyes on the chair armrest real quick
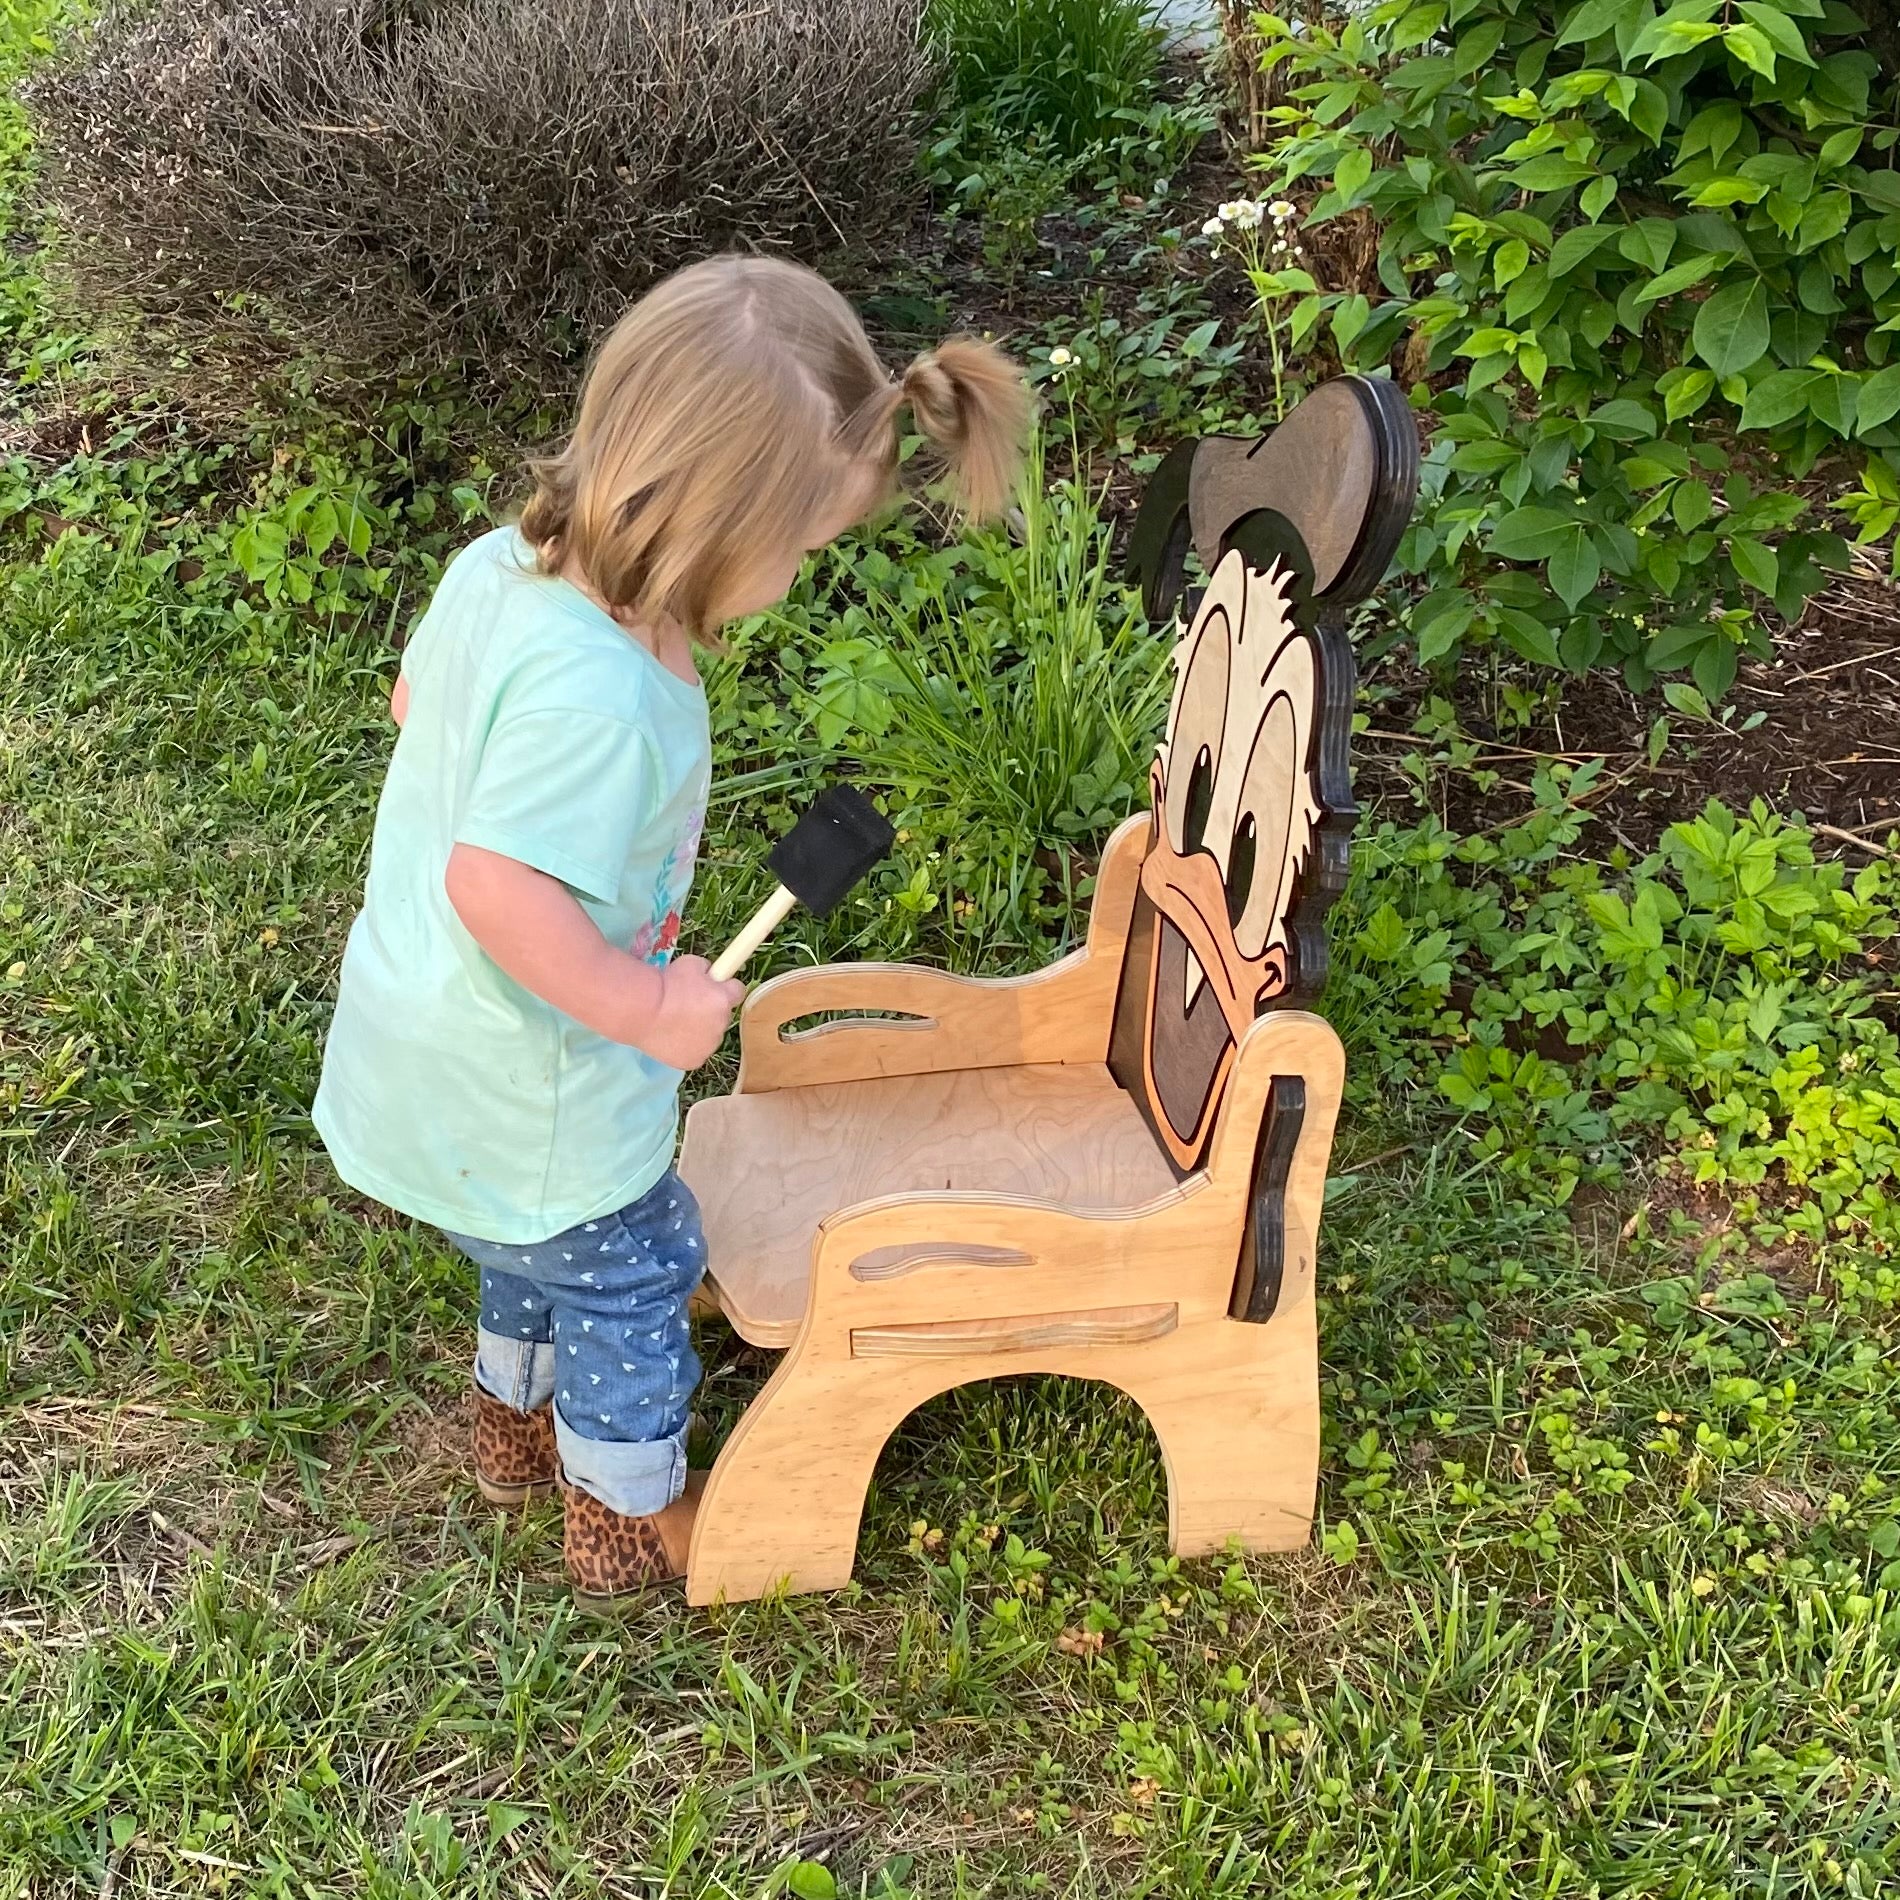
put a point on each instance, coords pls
(1061, 1014)
(953, 1022)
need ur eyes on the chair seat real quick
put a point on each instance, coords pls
(768, 1168)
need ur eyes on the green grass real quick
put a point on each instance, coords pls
(1065, 69)
(1602, 1601)
(1593, 1611)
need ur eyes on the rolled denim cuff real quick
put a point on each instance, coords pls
(634, 1478)
(518, 1372)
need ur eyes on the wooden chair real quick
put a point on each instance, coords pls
(1112, 1168)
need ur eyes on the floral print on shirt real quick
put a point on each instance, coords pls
(657, 938)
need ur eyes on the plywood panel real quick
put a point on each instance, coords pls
(1059, 1014)
(768, 1168)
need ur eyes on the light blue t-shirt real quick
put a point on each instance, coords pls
(537, 728)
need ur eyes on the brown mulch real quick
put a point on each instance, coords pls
(1827, 744)
(1706, 1228)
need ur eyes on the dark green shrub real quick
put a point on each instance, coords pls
(474, 175)
(1644, 265)
(1067, 69)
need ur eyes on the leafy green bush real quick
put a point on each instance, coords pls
(1714, 996)
(1644, 264)
(1067, 69)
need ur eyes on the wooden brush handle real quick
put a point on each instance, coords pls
(766, 919)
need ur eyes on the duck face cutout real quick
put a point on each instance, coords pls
(1236, 807)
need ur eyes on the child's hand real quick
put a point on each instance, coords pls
(694, 1014)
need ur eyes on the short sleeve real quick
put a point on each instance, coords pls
(419, 647)
(565, 791)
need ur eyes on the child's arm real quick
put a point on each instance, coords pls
(399, 700)
(535, 929)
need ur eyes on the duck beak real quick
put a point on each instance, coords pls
(1190, 893)
(1203, 993)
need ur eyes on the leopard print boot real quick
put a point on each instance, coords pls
(611, 1557)
(515, 1458)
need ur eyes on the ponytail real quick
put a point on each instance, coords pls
(972, 405)
(549, 515)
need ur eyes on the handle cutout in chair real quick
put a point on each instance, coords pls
(820, 1022)
(1030, 1332)
(892, 1263)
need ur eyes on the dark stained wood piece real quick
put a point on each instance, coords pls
(1342, 469)
(1262, 1270)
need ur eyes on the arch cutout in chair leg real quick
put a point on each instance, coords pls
(1234, 1408)
(783, 1502)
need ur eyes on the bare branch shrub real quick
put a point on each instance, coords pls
(489, 177)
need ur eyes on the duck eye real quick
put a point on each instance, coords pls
(1200, 801)
(1240, 863)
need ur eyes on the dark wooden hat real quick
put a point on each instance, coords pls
(1330, 491)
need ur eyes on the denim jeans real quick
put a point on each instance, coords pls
(595, 1320)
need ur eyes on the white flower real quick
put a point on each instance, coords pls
(1247, 214)
(1280, 210)
(1059, 358)
(1229, 213)
(1212, 228)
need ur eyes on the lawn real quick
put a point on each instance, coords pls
(1602, 1600)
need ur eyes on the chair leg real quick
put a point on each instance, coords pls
(1238, 1420)
(1234, 1405)
(782, 1505)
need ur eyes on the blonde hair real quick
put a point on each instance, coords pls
(722, 415)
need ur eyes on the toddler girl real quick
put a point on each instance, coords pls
(512, 1021)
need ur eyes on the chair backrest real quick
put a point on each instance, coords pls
(1252, 796)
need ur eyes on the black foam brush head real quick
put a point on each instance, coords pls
(834, 845)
